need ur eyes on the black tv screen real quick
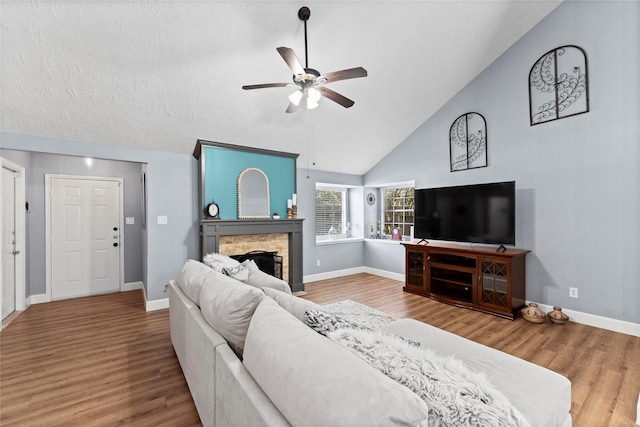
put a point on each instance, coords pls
(481, 213)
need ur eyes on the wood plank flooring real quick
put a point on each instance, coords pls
(96, 361)
(103, 361)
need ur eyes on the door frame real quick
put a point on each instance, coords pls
(21, 238)
(47, 227)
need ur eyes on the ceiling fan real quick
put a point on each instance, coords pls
(310, 82)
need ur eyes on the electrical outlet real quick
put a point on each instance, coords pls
(573, 292)
(318, 262)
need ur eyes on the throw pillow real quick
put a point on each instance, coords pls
(293, 304)
(191, 277)
(228, 306)
(238, 272)
(218, 261)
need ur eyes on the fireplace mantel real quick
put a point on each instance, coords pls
(211, 230)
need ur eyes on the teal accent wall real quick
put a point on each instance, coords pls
(222, 167)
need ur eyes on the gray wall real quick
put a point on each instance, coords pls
(332, 257)
(577, 179)
(39, 164)
(171, 191)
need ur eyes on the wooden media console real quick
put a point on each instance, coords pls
(478, 278)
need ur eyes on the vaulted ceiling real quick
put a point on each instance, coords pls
(161, 74)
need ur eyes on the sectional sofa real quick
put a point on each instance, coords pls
(252, 355)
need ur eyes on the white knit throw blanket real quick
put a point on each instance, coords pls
(455, 395)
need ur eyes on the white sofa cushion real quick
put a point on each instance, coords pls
(228, 305)
(260, 279)
(293, 304)
(316, 382)
(191, 277)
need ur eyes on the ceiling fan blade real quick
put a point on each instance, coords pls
(264, 85)
(350, 73)
(292, 108)
(336, 97)
(291, 59)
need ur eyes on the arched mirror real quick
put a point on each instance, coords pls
(253, 194)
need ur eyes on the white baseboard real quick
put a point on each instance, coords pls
(133, 286)
(35, 299)
(157, 304)
(607, 323)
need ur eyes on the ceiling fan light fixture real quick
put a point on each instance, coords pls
(295, 97)
(313, 96)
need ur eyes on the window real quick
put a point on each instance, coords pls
(397, 205)
(331, 212)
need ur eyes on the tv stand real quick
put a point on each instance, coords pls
(478, 278)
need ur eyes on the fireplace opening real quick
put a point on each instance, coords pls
(267, 261)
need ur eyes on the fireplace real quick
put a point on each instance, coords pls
(268, 261)
(283, 236)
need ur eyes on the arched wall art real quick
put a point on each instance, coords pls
(468, 142)
(558, 85)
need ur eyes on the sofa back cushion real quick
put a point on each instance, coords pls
(191, 278)
(293, 304)
(316, 382)
(228, 305)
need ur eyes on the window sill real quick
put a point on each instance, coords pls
(387, 241)
(338, 241)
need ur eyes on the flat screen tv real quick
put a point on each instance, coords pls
(480, 213)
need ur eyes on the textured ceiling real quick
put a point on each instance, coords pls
(161, 74)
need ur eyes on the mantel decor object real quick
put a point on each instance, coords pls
(253, 194)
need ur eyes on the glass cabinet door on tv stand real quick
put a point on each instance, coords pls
(415, 271)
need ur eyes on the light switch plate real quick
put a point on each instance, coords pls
(130, 220)
(162, 219)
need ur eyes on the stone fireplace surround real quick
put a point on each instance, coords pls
(249, 235)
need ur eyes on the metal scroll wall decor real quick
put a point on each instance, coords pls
(558, 85)
(468, 142)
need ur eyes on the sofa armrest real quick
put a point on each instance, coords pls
(242, 401)
(194, 342)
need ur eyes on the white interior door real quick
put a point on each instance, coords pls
(85, 218)
(8, 242)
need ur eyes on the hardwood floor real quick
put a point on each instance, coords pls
(96, 361)
(105, 361)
